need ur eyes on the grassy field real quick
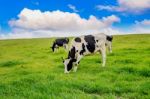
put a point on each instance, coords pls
(29, 70)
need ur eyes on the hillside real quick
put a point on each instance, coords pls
(29, 69)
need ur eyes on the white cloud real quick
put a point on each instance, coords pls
(110, 20)
(142, 26)
(72, 7)
(145, 22)
(34, 24)
(138, 27)
(58, 20)
(111, 8)
(133, 6)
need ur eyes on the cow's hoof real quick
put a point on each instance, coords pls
(103, 65)
(74, 71)
(66, 72)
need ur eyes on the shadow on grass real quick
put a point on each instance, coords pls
(10, 63)
(131, 70)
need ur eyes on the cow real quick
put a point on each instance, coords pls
(60, 42)
(85, 45)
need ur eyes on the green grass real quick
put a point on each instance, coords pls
(29, 70)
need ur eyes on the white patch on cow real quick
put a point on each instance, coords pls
(66, 61)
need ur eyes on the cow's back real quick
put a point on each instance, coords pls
(89, 43)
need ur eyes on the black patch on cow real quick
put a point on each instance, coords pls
(72, 53)
(71, 56)
(90, 43)
(62, 41)
(77, 39)
(70, 64)
(79, 62)
(83, 49)
(96, 40)
(109, 38)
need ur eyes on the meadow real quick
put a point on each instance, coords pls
(30, 70)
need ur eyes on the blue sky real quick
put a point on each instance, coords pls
(10, 9)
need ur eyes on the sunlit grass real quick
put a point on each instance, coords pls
(29, 69)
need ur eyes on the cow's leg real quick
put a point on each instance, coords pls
(66, 47)
(77, 62)
(103, 52)
(57, 47)
(75, 68)
(110, 47)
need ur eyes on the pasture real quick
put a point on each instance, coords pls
(30, 70)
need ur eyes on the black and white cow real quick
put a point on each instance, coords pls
(84, 45)
(60, 42)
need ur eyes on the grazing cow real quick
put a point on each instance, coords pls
(59, 43)
(84, 45)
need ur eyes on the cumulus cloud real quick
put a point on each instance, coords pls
(133, 6)
(59, 21)
(72, 7)
(34, 24)
(145, 22)
(142, 26)
(138, 27)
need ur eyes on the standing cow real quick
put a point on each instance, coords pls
(60, 42)
(84, 45)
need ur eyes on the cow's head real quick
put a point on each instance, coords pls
(68, 64)
(53, 46)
